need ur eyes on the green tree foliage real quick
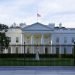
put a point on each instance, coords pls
(4, 41)
(3, 27)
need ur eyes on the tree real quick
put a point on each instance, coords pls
(4, 41)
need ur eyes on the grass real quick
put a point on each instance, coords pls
(41, 62)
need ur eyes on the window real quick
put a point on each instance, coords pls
(9, 38)
(73, 38)
(64, 50)
(57, 50)
(17, 50)
(57, 40)
(1, 51)
(46, 50)
(9, 50)
(17, 39)
(65, 40)
(27, 50)
(28, 40)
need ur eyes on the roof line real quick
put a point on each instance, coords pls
(35, 24)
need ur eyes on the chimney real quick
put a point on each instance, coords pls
(51, 25)
(22, 25)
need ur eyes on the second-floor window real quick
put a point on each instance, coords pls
(9, 50)
(73, 39)
(17, 39)
(17, 50)
(57, 40)
(9, 38)
(65, 40)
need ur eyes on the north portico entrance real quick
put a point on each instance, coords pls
(37, 34)
(37, 39)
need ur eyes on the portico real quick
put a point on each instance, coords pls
(37, 39)
(37, 34)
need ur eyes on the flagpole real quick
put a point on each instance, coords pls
(37, 18)
(38, 15)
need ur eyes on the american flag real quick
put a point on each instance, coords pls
(38, 15)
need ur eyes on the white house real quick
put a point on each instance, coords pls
(46, 38)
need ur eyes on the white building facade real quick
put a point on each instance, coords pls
(47, 39)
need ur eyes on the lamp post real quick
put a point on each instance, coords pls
(74, 53)
(37, 53)
(0, 43)
(24, 48)
(24, 53)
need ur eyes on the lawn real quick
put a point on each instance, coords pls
(32, 62)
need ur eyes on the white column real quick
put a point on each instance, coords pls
(32, 39)
(60, 49)
(51, 44)
(42, 39)
(42, 43)
(32, 43)
(11, 49)
(21, 38)
(22, 43)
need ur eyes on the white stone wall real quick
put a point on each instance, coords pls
(69, 34)
(13, 33)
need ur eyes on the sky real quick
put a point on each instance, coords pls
(25, 11)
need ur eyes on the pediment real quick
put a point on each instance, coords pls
(37, 27)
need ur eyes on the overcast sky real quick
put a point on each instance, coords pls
(51, 11)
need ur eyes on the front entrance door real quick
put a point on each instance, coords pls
(46, 50)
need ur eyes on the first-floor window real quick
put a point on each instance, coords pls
(57, 50)
(46, 50)
(64, 50)
(1, 51)
(68, 50)
(9, 50)
(16, 50)
(27, 50)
